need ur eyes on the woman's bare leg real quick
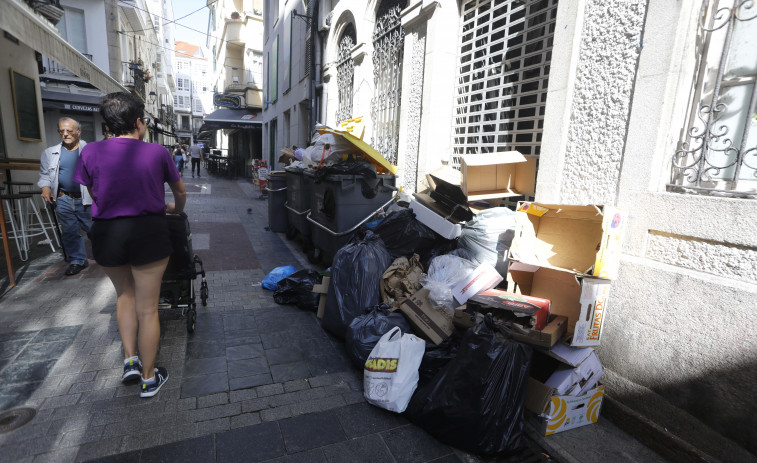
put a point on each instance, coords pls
(147, 281)
(126, 313)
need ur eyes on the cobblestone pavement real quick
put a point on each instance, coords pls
(257, 381)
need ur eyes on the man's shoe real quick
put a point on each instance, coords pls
(73, 269)
(149, 389)
(132, 371)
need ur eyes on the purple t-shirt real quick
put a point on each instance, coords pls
(126, 177)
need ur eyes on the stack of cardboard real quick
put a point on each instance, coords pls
(567, 255)
(455, 196)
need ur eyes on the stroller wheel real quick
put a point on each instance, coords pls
(191, 320)
(204, 293)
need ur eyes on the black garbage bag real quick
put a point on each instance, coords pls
(436, 357)
(404, 235)
(447, 247)
(365, 331)
(475, 402)
(355, 279)
(297, 289)
(363, 169)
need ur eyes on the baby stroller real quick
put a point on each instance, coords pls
(177, 290)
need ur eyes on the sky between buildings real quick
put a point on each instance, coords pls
(197, 20)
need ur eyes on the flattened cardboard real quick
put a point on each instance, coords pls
(583, 300)
(582, 239)
(482, 278)
(428, 322)
(497, 175)
(565, 412)
(322, 289)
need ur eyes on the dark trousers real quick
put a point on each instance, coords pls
(196, 163)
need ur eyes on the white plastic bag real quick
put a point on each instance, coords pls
(443, 273)
(390, 375)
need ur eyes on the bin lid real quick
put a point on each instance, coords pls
(363, 147)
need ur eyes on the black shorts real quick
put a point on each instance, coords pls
(130, 240)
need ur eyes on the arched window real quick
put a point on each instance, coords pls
(345, 73)
(388, 43)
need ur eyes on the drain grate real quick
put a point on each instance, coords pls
(14, 419)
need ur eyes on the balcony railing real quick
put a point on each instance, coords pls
(134, 78)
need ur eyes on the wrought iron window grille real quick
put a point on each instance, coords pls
(388, 48)
(717, 154)
(345, 74)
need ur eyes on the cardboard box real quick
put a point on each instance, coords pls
(564, 412)
(547, 337)
(322, 289)
(537, 307)
(582, 299)
(497, 175)
(582, 239)
(563, 390)
(433, 218)
(428, 322)
(482, 278)
(577, 378)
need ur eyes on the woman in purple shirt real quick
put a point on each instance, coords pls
(129, 234)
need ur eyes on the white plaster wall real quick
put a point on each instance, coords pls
(679, 338)
(96, 32)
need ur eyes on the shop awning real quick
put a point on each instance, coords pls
(228, 118)
(19, 20)
(70, 101)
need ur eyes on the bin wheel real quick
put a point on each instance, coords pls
(204, 293)
(191, 320)
(314, 255)
(291, 233)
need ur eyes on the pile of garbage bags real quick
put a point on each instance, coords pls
(467, 390)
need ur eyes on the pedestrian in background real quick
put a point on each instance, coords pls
(130, 236)
(195, 151)
(178, 158)
(71, 200)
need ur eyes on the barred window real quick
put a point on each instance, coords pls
(717, 152)
(345, 74)
(388, 51)
(502, 76)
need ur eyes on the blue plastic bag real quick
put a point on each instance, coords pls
(276, 275)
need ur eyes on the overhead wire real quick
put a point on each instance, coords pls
(177, 19)
(186, 27)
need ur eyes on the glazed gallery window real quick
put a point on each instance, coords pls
(717, 152)
(72, 29)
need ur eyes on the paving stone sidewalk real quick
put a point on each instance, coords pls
(257, 381)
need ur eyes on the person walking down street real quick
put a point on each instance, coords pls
(195, 151)
(71, 201)
(130, 235)
(178, 158)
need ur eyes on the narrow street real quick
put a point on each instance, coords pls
(257, 381)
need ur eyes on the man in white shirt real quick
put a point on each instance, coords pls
(195, 151)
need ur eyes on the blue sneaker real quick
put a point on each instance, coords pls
(132, 371)
(151, 387)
